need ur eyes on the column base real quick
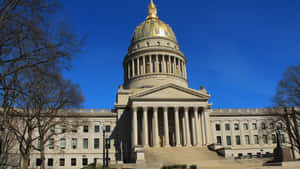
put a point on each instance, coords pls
(167, 145)
(178, 145)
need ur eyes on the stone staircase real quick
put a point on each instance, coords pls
(204, 158)
(180, 155)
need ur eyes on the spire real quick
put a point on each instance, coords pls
(152, 11)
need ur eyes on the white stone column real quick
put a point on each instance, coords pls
(183, 131)
(156, 64)
(155, 127)
(187, 126)
(134, 132)
(169, 64)
(150, 62)
(133, 67)
(166, 127)
(197, 126)
(163, 64)
(138, 66)
(145, 127)
(144, 64)
(193, 131)
(202, 128)
(207, 139)
(128, 69)
(177, 132)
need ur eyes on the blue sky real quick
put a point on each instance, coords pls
(237, 49)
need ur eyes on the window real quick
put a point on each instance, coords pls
(85, 129)
(62, 143)
(52, 128)
(227, 126)
(274, 141)
(218, 127)
(50, 161)
(107, 128)
(256, 139)
(279, 125)
(74, 129)
(96, 143)
(97, 129)
(237, 140)
(74, 143)
(282, 139)
(236, 126)
(265, 139)
(85, 143)
(84, 161)
(73, 161)
(38, 162)
(61, 162)
(228, 140)
(219, 140)
(247, 139)
(254, 126)
(39, 144)
(271, 125)
(51, 143)
(263, 126)
(63, 129)
(245, 126)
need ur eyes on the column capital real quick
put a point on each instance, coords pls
(176, 108)
(165, 108)
(134, 108)
(145, 108)
(186, 109)
(155, 108)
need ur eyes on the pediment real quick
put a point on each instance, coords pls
(170, 92)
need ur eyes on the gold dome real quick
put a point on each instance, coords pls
(153, 27)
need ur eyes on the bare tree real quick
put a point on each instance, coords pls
(49, 97)
(29, 40)
(287, 104)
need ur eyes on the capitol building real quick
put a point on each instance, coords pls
(156, 112)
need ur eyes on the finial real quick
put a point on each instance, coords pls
(152, 11)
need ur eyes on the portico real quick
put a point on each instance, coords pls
(159, 120)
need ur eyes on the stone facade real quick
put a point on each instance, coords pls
(156, 108)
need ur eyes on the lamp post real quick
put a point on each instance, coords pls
(103, 131)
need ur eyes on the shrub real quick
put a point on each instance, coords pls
(193, 167)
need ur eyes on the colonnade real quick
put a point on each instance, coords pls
(168, 126)
(155, 64)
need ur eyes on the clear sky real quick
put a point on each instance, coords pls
(237, 49)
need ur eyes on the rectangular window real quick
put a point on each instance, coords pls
(97, 128)
(84, 161)
(254, 126)
(256, 139)
(218, 127)
(219, 140)
(39, 144)
(61, 162)
(274, 141)
(96, 143)
(236, 126)
(238, 140)
(50, 161)
(245, 126)
(247, 139)
(263, 126)
(38, 162)
(265, 138)
(51, 143)
(228, 140)
(271, 125)
(85, 129)
(227, 126)
(74, 143)
(107, 128)
(73, 161)
(63, 129)
(52, 128)
(74, 129)
(85, 143)
(282, 139)
(62, 143)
